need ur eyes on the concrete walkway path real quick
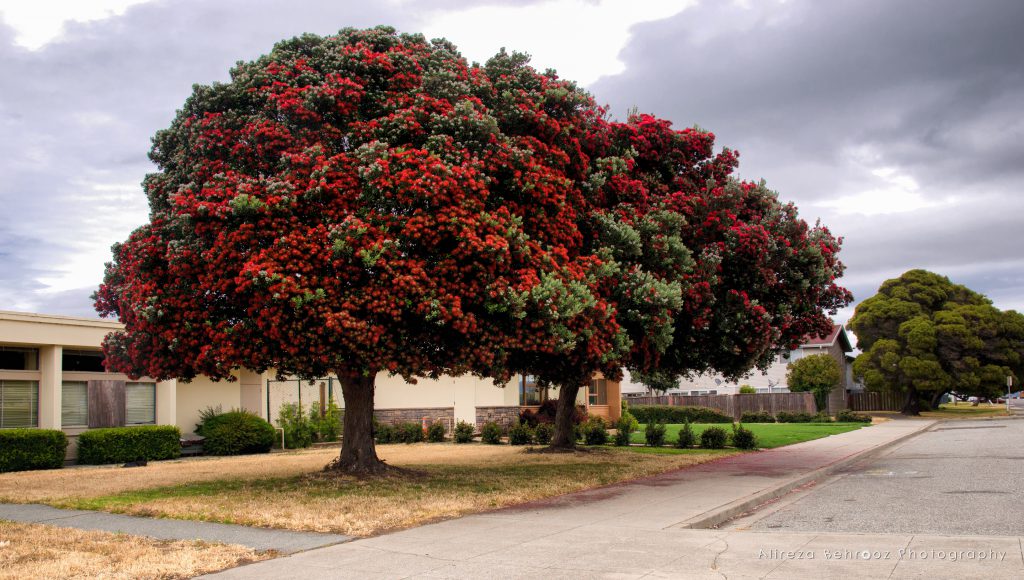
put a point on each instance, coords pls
(284, 541)
(644, 527)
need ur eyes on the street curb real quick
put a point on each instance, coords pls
(731, 510)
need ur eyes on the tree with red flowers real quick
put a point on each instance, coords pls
(352, 205)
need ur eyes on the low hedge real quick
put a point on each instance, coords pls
(757, 417)
(24, 449)
(236, 433)
(124, 444)
(673, 414)
(794, 417)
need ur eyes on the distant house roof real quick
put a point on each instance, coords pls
(838, 333)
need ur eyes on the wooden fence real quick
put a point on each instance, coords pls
(876, 401)
(736, 405)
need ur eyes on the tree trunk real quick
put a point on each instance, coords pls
(565, 433)
(936, 400)
(911, 406)
(358, 453)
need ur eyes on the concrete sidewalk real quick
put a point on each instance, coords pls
(284, 541)
(625, 530)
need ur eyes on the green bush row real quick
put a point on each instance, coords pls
(673, 414)
(710, 438)
(123, 444)
(24, 449)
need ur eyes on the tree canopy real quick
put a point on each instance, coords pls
(924, 335)
(816, 373)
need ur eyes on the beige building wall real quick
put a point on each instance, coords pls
(193, 397)
(464, 393)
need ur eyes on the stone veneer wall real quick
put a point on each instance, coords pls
(504, 416)
(394, 416)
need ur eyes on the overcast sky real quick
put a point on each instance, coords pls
(898, 123)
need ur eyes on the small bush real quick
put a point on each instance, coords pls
(235, 433)
(123, 444)
(298, 433)
(595, 432)
(747, 390)
(463, 432)
(687, 438)
(491, 433)
(543, 433)
(435, 433)
(624, 428)
(714, 438)
(520, 434)
(24, 449)
(654, 434)
(383, 433)
(743, 438)
(408, 432)
(794, 417)
(673, 414)
(848, 416)
(757, 417)
(328, 427)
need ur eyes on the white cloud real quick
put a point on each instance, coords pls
(580, 39)
(38, 22)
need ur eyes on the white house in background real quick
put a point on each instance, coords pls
(772, 380)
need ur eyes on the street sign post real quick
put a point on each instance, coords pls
(1009, 383)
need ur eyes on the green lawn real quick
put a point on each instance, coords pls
(768, 434)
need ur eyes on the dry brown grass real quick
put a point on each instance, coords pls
(40, 551)
(287, 491)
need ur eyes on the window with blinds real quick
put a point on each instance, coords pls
(74, 404)
(140, 404)
(19, 404)
(599, 392)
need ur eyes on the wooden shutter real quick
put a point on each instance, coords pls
(106, 403)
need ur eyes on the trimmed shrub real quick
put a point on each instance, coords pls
(654, 434)
(520, 434)
(235, 433)
(123, 444)
(408, 432)
(821, 417)
(624, 428)
(673, 414)
(435, 433)
(794, 417)
(463, 432)
(543, 433)
(595, 432)
(24, 449)
(383, 433)
(687, 438)
(298, 433)
(491, 433)
(714, 438)
(848, 416)
(747, 390)
(743, 438)
(757, 417)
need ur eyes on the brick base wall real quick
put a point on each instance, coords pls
(504, 416)
(394, 416)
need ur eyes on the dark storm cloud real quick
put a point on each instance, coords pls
(819, 96)
(77, 115)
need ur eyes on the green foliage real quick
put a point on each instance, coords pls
(747, 390)
(298, 433)
(384, 433)
(24, 449)
(463, 432)
(490, 433)
(794, 417)
(624, 427)
(595, 431)
(520, 434)
(921, 334)
(328, 427)
(409, 432)
(123, 444)
(235, 433)
(672, 414)
(435, 433)
(713, 438)
(741, 438)
(543, 433)
(654, 434)
(687, 438)
(848, 416)
(817, 374)
(821, 417)
(757, 417)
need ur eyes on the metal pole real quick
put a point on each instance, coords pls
(1009, 383)
(268, 400)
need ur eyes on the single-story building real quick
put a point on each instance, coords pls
(52, 376)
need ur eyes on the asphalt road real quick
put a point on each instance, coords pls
(962, 477)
